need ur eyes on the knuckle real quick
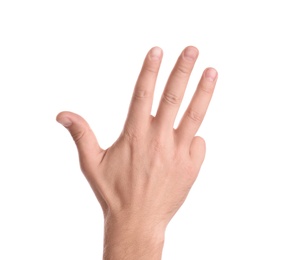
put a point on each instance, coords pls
(129, 135)
(150, 68)
(78, 136)
(194, 116)
(182, 70)
(157, 146)
(206, 89)
(171, 98)
(140, 93)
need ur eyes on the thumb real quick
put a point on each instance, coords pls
(88, 148)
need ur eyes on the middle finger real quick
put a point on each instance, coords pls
(175, 88)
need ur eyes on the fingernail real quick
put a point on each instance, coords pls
(65, 121)
(210, 74)
(190, 53)
(155, 53)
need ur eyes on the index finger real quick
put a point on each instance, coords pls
(142, 98)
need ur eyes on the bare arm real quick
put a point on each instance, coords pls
(145, 176)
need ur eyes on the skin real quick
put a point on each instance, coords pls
(145, 176)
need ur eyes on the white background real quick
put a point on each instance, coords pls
(84, 56)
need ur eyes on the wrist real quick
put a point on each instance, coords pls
(132, 237)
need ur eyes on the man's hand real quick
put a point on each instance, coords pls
(145, 176)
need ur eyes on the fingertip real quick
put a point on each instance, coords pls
(194, 47)
(63, 119)
(210, 74)
(155, 53)
(200, 141)
(198, 149)
(191, 52)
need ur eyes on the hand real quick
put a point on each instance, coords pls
(144, 177)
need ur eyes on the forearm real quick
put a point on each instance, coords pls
(130, 240)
